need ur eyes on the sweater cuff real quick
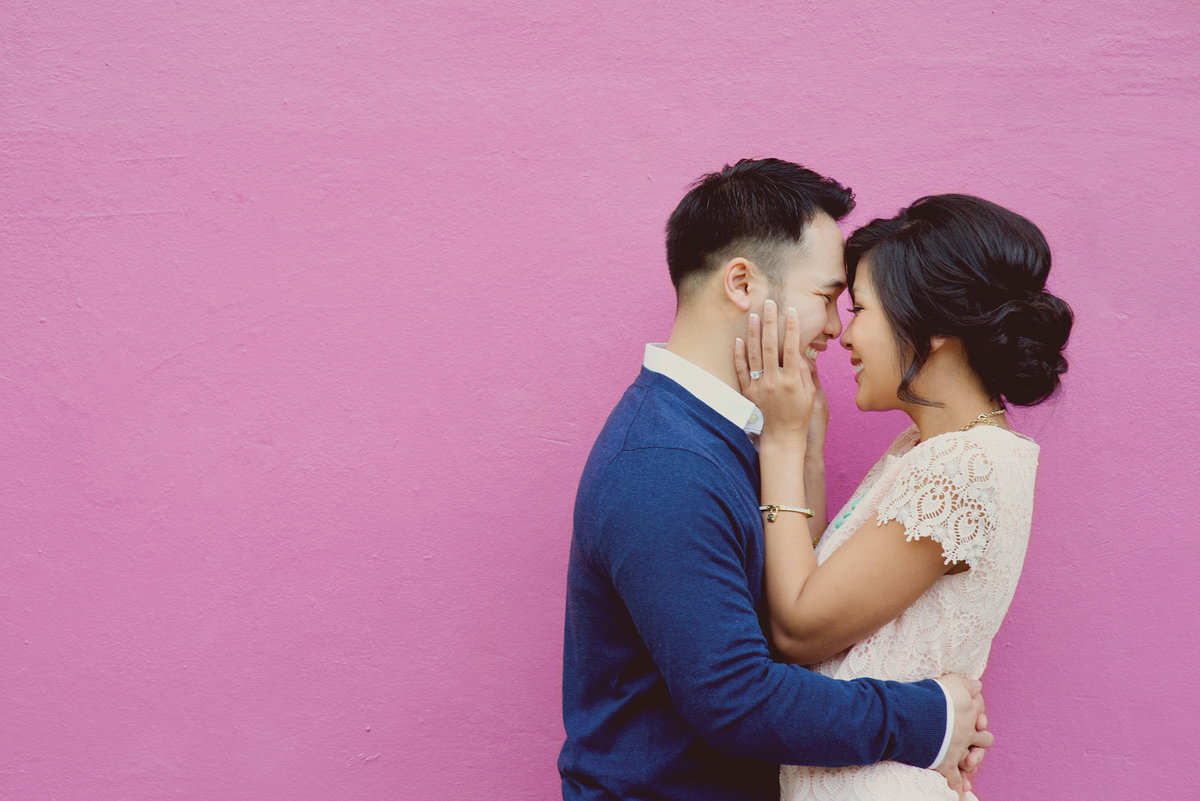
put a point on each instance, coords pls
(949, 728)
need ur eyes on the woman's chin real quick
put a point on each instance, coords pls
(866, 404)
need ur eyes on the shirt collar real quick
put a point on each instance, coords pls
(708, 389)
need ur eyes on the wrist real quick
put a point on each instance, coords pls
(793, 443)
(787, 456)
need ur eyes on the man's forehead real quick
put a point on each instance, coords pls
(825, 269)
(819, 255)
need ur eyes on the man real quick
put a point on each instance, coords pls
(669, 687)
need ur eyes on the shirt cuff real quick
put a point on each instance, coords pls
(949, 727)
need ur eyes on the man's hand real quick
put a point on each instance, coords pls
(970, 766)
(970, 737)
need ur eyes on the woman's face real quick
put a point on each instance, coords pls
(872, 345)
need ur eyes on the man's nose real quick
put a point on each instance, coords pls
(834, 325)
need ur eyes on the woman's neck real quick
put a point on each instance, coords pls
(951, 382)
(955, 415)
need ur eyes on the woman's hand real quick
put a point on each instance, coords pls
(784, 391)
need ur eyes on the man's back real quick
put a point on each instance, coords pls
(667, 455)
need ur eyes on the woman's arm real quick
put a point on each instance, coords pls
(814, 460)
(784, 391)
(874, 576)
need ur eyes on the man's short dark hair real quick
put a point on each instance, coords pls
(755, 206)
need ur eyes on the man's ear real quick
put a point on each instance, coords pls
(737, 279)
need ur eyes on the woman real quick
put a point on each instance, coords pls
(951, 322)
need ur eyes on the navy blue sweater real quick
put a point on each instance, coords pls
(669, 686)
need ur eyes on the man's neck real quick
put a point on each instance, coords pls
(703, 344)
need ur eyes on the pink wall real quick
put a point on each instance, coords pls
(311, 311)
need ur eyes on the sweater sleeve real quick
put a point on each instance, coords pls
(676, 555)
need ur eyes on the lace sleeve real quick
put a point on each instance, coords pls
(946, 490)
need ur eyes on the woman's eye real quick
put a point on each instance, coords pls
(854, 309)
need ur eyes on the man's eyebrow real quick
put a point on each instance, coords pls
(832, 286)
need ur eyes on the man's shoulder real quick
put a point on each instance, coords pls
(657, 420)
(662, 456)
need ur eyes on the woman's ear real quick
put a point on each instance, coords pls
(948, 350)
(738, 276)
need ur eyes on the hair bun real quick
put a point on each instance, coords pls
(1023, 357)
(959, 266)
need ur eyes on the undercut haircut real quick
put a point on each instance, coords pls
(754, 208)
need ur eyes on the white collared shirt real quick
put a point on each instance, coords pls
(739, 410)
(708, 389)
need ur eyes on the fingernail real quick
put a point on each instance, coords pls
(769, 301)
(753, 317)
(791, 311)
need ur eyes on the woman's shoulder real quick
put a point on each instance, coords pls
(954, 487)
(895, 455)
(983, 439)
(905, 441)
(997, 445)
(980, 457)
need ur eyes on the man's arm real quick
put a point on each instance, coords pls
(677, 560)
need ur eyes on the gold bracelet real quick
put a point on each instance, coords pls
(775, 509)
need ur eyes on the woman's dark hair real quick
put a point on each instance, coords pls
(757, 204)
(959, 266)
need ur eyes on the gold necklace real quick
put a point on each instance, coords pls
(983, 418)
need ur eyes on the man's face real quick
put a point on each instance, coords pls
(813, 275)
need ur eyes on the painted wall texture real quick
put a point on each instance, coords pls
(311, 311)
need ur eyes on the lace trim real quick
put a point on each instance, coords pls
(946, 490)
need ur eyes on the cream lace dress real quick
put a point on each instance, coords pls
(972, 491)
